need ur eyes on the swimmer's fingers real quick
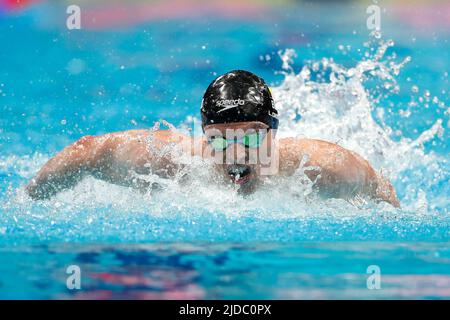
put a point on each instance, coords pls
(35, 192)
(386, 192)
(44, 187)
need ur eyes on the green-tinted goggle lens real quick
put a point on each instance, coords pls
(252, 140)
(218, 143)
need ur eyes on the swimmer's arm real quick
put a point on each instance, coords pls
(376, 186)
(338, 172)
(64, 170)
(117, 158)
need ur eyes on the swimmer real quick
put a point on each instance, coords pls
(239, 125)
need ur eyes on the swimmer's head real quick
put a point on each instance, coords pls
(238, 96)
(239, 121)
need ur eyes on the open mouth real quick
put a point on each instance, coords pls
(239, 174)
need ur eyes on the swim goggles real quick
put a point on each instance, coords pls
(251, 140)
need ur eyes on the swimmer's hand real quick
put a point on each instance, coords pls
(64, 170)
(116, 158)
(385, 191)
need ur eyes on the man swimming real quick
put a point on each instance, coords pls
(239, 122)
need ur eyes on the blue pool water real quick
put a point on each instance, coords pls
(203, 241)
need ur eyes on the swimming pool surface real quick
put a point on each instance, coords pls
(131, 66)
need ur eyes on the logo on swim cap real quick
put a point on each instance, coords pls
(228, 104)
(273, 114)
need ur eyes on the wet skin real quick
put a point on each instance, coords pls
(120, 157)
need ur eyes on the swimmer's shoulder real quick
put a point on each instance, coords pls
(329, 156)
(306, 145)
(293, 150)
(324, 148)
(166, 135)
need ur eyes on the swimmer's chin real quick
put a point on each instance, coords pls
(248, 187)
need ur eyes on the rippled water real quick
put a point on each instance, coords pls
(229, 271)
(204, 240)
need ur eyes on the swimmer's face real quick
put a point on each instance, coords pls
(239, 150)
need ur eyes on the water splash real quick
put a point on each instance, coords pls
(322, 100)
(339, 108)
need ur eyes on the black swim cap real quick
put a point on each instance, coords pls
(238, 96)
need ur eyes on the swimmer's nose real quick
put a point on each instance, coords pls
(236, 154)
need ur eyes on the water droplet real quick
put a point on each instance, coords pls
(376, 34)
